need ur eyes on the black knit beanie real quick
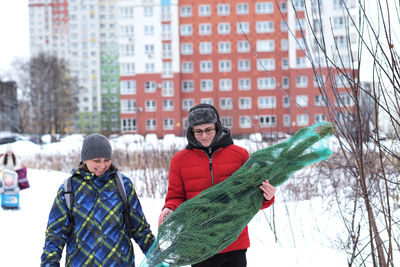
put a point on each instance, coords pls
(96, 146)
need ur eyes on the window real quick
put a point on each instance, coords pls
(244, 122)
(128, 106)
(267, 121)
(319, 80)
(264, 26)
(204, 28)
(127, 50)
(128, 124)
(187, 104)
(187, 86)
(285, 82)
(341, 80)
(127, 68)
(150, 105)
(302, 100)
(223, 9)
(167, 69)
(187, 67)
(266, 83)
(299, 5)
(166, 31)
(168, 124)
(148, 11)
(345, 100)
(148, 30)
(341, 41)
(285, 63)
(264, 8)
(186, 48)
(227, 122)
(243, 46)
(300, 24)
(186, 11)
(207, 101)
(286, 120)
(225, 103)
(265, 64)
(284, 45)
(149, 67)
(283, 7)
(128, 87)
(301, 62)
(284, 26)
(167, 88)
(224, 28)
(225, 66)
(244, 102)
(244, 84)
(339, 22)
(150, 86)
(186, 30)
(225, 85)
(126, 12)
(265, 45)
(286, 101)
(206, 66)
(204, 10)
(244, 65)
(300, 43)
(267, 102)
(205, 48)
(242, 9)
(166, 50)
(301, 81)
(206, 85)
(242, 27)
(320, 117)
(151, 124)
(302, 120)
(224, 47)
(149, 49)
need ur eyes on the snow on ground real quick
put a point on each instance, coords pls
(22, 231)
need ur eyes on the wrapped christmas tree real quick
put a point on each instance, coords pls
(206, 224)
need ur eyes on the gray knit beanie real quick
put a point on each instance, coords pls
(95, 146)
(201, 114)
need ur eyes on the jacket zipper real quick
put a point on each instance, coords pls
(210, 165)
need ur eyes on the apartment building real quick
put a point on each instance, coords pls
(143, 64)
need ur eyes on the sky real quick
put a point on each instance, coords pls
(14, 31)
(306, 244)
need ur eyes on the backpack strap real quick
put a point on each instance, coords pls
(69, 201)
(127, 209)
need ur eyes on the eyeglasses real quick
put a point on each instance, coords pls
(207, 131)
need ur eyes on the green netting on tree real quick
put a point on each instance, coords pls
(206, 224)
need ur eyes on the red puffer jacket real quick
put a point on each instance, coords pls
(190, 173)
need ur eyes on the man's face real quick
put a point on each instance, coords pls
(204, 133)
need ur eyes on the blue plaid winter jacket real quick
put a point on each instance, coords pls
(99, 236)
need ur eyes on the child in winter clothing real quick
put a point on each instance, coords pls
(8, 183)
(98, 235)
(9, 160)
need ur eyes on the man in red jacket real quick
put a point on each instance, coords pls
(209, 158)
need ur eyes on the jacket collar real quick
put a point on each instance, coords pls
(90, 176)
(223, 139)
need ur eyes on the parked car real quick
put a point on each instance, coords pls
(6, 138)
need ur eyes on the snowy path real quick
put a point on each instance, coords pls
(22, 232)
